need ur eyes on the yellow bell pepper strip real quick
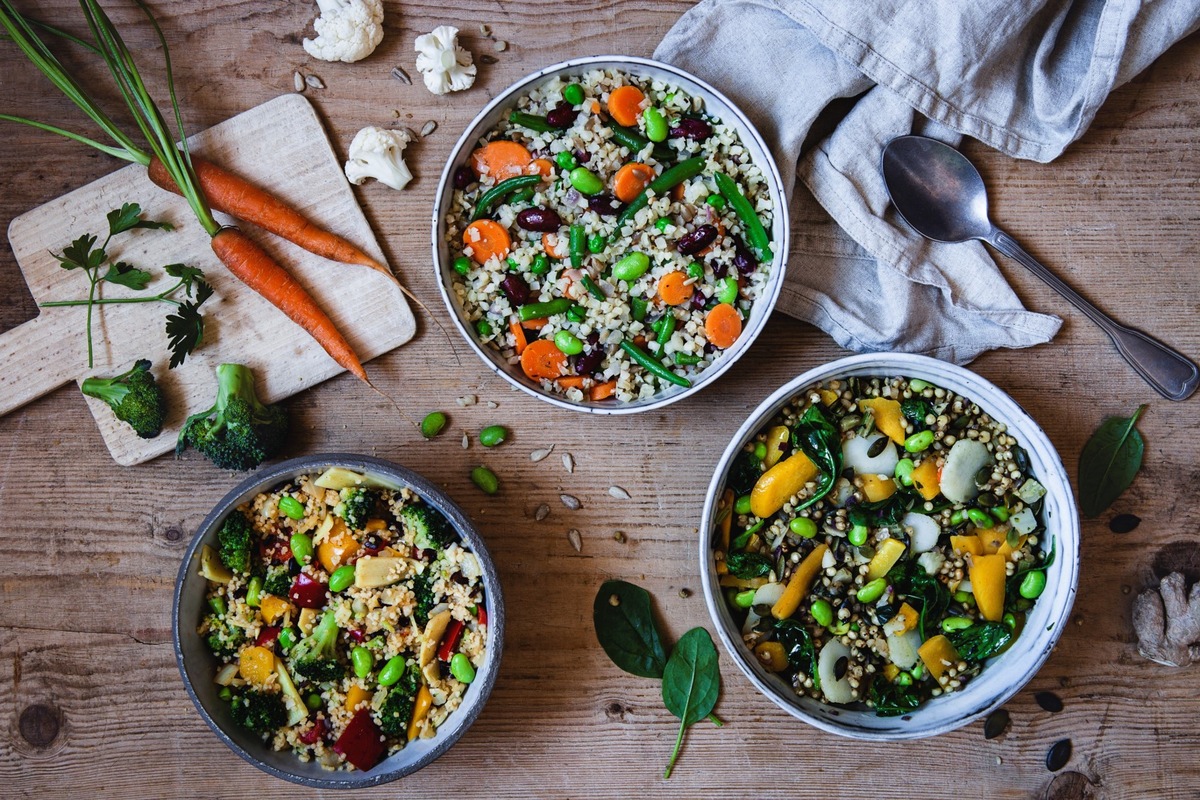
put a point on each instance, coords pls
(421, 708)
(966, 544)
(886, 555)
(273, 608)
(925, 479)
(772, 656)
(888, 418)
(799, 584)
(987, 583)
(356, 696)
(779, 483)
(939, 655)
(256, 665)
(876, 488)
(777, 437)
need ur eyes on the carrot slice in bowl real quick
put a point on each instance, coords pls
(723, 325)
(542, 360)
(674, 289)
(630, 180)
(501, 159)
(625, 105)
(487, 239)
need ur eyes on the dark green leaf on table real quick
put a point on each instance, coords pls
(185, 327)
(1109, 462)
(625, 628)
(127, 275)
(128, 217)
(691, 683)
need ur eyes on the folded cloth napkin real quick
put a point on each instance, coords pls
(1023, 76)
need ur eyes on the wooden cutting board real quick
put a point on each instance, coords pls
(279, 145)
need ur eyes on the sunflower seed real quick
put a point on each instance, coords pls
(401, 76)
(298, 81)
(467, 400)
(485, 29)
(492, 404)
(996, 724)
(540, 455)
(409, 133)
(1059, 755)
(575, 539)
(570, 501)
(314, 81)
(685, 593)
(466, 440)
(542, 512)
(1049, 701)
(487, 59)
(568, 463)
(428, 128)
(619, 493)
(500, 45)
(619, 537)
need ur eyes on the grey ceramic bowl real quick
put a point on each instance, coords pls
(1004, 675)
(198, 666)
(715, 103)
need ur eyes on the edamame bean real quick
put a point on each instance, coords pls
(392, 671)
(822, 612)
(541, 264)
(742, 504)
(313, 701)
(254, 591)
(760, 451)
(483, 328)
(217, 604)
(803, 527)
(568, 343)
(965, 598)
(980, 518)
(744, 599)
(573, 93)
(586, 182)
(597, 243)
(1000, 513)
(656, 125)
(493, 435)
(918, 385)
(631, 267)
(225, 694)
(950, 624)
(695, 270)
(1033, 584)
(485, 479)
(342, 578)
(291, 507)
(462, 265)
(858, 535)
(461, 668)
(904, 470)
(433, 424)
(872, 591)
(363, 661)
(716, 201)
(302, 548)
(958, 517)
(287, 639)
(727, 289)
(565, 160)
(918, 441)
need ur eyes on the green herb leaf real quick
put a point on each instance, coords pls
(691, 683)
(185, 328)
(627, 631)
(820, 441)
(128, 217)
(798, 645)
(80, 254)
(127, 275)
(892, 699)
(1109, 462)
(748, 565)
(981, 641)
(188, 276)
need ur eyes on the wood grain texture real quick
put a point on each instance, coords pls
(91, 551)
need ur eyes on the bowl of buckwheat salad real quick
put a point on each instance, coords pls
(338, 621)
(889, 547)
(611, 234)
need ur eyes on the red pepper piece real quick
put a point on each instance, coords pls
(362, 741)
(450, 640)
(357, 635)
(308, 592)
(319, 728)
(275, 550)
(267, 635)
(482, 614)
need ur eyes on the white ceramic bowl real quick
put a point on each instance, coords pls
(1004, 675)
(716, 104)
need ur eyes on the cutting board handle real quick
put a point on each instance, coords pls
(32, 364)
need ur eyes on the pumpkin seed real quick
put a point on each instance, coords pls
(987, 499)
(619, 537)
(568, 462)
(485, 29)
(685, 593)
(428, 128)
(877, 446)
(996, 723)
(1059, 755)
(314, 81)
(542, 512)
(1049, 701)
(1012, 538)
(570, 501)
(466, 441)
(575, 539)
(983, 475)
(840, 667)
(298, 81)
(849, 422)
(1124, 523)
(402, 76)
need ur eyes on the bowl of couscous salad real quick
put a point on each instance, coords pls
(338, 621)
(611, 234)
(890, 547)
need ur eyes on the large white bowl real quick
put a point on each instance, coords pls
(1004, 675)
(716, 104)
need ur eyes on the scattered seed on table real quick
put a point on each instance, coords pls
(685, 593)
(298, 81)
(400, 75)
(1049, 701)
(500, 45)
(485, 29)
(409, 132)
(619, 493)
(487, 60)
(542, 512)
(314, 81)
(466, 442)
(570, 501)
(614, 600)
(575, 539)
(540, 455)
(1124, 523)
(568, 463)
(619, 536)
(996, 723)
(492, 404)
(429, 127)
(433, 424)
(1059, 755)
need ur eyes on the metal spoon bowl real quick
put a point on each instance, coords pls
(941, 195)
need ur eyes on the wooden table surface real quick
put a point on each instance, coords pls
(95, 706)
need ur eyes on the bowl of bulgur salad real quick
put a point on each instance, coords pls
(338, 621)
(611, 234)
(890, 547)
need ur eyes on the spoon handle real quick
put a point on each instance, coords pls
(1171, 373)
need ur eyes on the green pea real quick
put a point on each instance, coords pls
(302, 548)
(483, 328)
(363, 661)
(631, 267)
(822, 612)
(727, 289)
(565, 160)
(433, 424)
(342, 578)
(656, 125)
(225, 694)
(742, 504)
(918, 670)
(513, 264)
(493, 435)
(950, 624)
(585, 181)
(1000, 513)
(661, 224)
(744, 599)
(217, 604)
(803, 527)
(980, 518)
(254, 591)
(568, 343)
(288, 639)
(840, 629)
(462, 265)
(597, 243)
(872, 591)
(858, 535)
(485, 479)
(716, 201)
(392, 671)
(573, 94)
(313, 701)
(695, 270)
(541, 264)
(965, 598)
(1033, 584)
(903, 679)
(461, 668)
(760, 451)
(904, 470)
(291, 507)
(918, 441)
(958, 517)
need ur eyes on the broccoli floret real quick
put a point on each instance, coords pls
(234, 540)
(222, 638)
(422, 586)
(748, 565)
(278, 580)
(315, 657)
(239, 431)
(396, 711)
(258, 711)
(134, 397)
(358, 505)
(430, 529)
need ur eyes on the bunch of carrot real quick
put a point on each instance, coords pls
(204, 185)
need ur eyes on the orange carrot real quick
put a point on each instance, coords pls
(518, 333)
(487, 239)
(570, 381)
(674, 289)
(542, 360)
(625, 105)
(502, 159)
(536, 324)
(554, 245)
(723, 325)
(252, 266)
(545, 168)
(603, 391)
(630, 180)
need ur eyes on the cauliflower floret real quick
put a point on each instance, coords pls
(378, 153)
(347, 30)
(444, 65)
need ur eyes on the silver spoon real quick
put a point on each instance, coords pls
(941, 195)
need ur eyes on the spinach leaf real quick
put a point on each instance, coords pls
(798, 644)
(915, 411)
(744, 473)
(821, 442)
(885, 513)
(922, 591)
(627, 631)
(892, 699)
(691, 682)
(748, 565)
(1109, 462)
(981, 641)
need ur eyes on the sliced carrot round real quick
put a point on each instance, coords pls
(630, 180)
(543, 167)
(502, 159)
(723, 325)
(487, 239)
(674, 289)
(625, 105)
(603, 391)
(542, 360)
(555, 245)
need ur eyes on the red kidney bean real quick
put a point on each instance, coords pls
(373, 544)
(588, 363)
(307, 592)
(719, 269)
(463, 177)
(562, 116)
(698, 300)
(314, 734)
(691, 128)
(357, 635)
(542, 220)
(516, 289)
(582, 156)
(275, 550)
(743, 259)
(604, 204)
(691, 243)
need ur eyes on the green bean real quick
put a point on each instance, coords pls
(872, 591)
(803, 527)
(821, 612)
(742, 504)
(288, 639)
(342, 578)
(858, 535)
(638, 307)
(980, 518)
(666, 330)
(314, 701)
(652, 366)
(531, 121)
(392, 671)
(254, 592)
(756, 234)
(904, 471)
(433, 424)
(573, 93)
(632, 139)
(541, 264)
(744, 599)
(461, 668)
(631, 266)
(1033, 584)
(500, 190)
(593, 288)
(727, 289)
(576, 314)
(485, 479)
(559, 305)
(950, 624)
(687, 360)
(568, 343)
(566, 160)
(656, 125)
(363, 661)
(522, 196)
(918, 442)
(716, 201)
(493, 435)
(597, 243)
(577, 244)
(302, 548)
(291, 507)
(218, 606)
(462, 265)
(666, 181)
(585, 181)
